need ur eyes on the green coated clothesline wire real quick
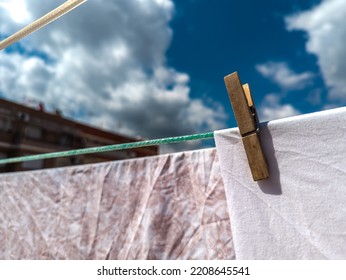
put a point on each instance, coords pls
(109, 148)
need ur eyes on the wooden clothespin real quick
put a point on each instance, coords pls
(247, 120)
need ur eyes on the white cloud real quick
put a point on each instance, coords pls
(106, 66)
(281, 74)
(325, 25)
(16, 10)
(272, 108)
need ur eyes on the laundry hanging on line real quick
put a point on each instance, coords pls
(163, 207)
(181, 206)
(300, 211)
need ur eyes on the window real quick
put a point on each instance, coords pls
(33, 132)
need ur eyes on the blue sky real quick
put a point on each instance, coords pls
(155, 68)
(212, 40)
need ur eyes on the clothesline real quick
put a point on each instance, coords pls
(108, 148)
(41, 22)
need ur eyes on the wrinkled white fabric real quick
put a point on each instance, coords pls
(163, 207)
(300, 211)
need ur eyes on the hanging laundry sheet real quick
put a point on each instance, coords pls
(163, 207)
(182, 206)
(300, 211)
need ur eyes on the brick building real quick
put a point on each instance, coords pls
(27, 131)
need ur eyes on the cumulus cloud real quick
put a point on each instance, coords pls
(104, 64)
(282, 75)
(272, 108)
(325, 25)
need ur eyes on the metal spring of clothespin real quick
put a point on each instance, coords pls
(246, 116)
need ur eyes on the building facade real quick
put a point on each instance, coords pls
(28, 131)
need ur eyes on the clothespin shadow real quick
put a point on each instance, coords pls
(246, 116)
(272, 185)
